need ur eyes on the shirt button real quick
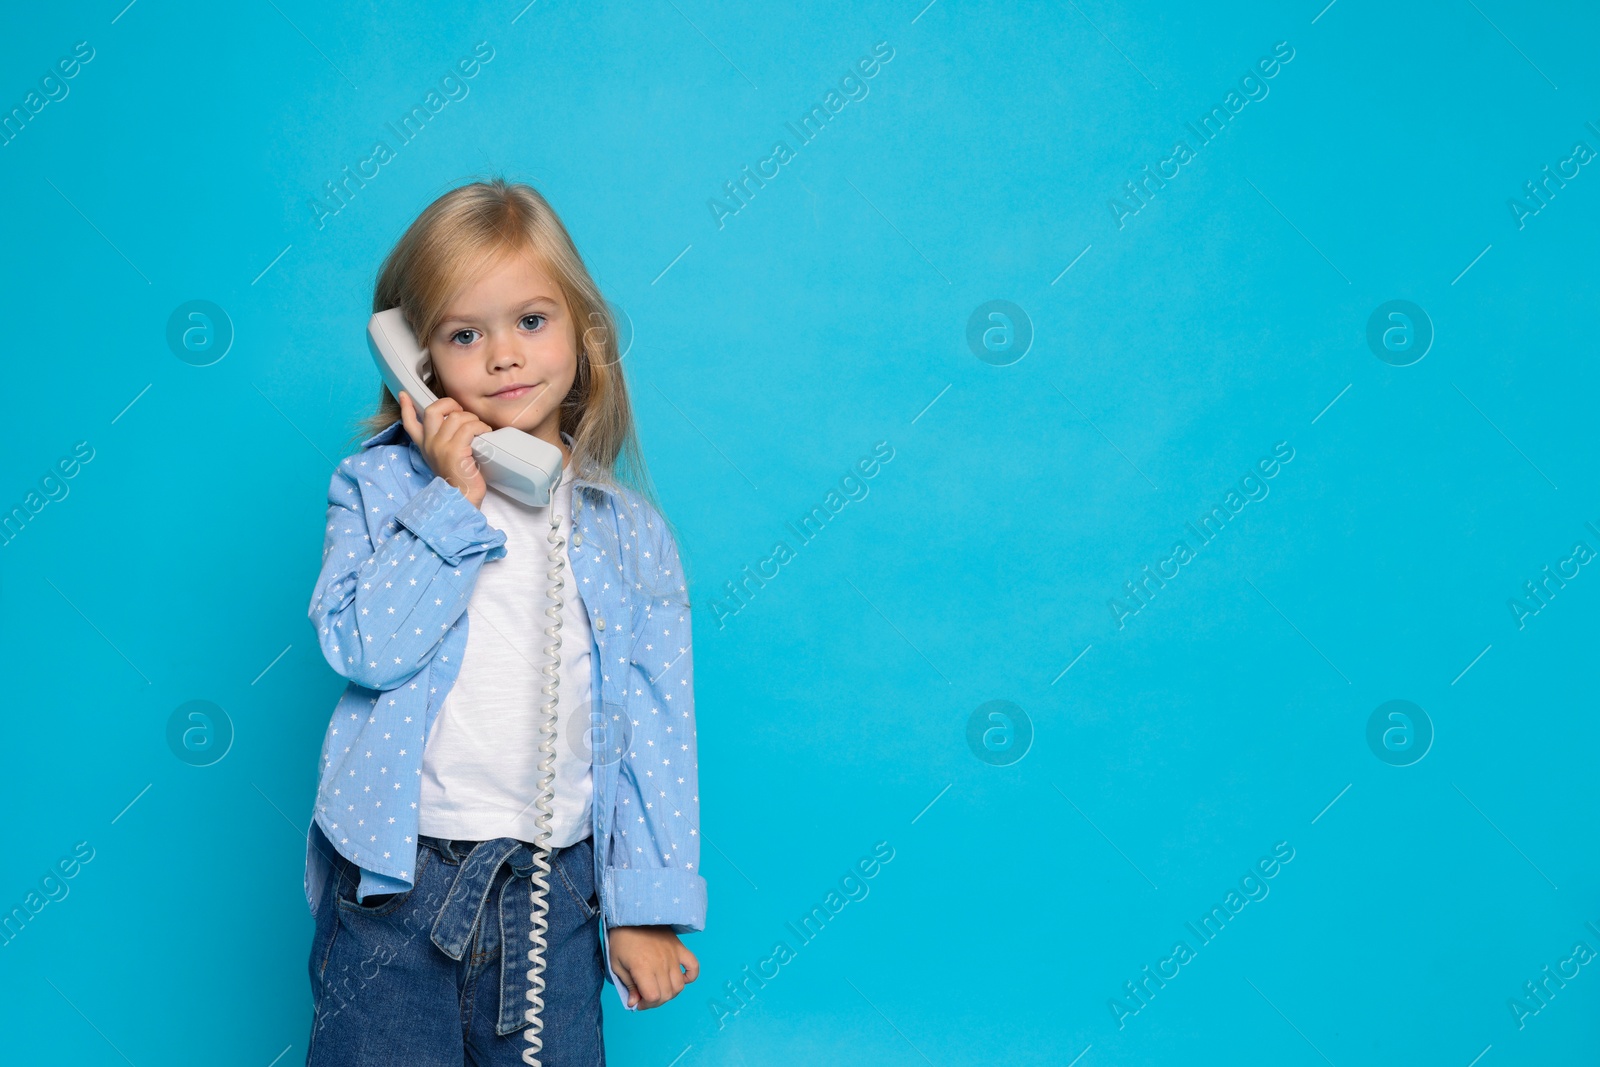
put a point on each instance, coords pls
(599, 624)
(577, 539)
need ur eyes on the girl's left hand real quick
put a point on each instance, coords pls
(646, 958)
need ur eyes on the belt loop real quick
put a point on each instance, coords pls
(444, 847)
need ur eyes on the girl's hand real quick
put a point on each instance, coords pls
(444, 434)
(646, 958)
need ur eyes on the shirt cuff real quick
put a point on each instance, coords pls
(447, 522)
(656, 896)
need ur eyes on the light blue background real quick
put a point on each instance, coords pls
(826, 316)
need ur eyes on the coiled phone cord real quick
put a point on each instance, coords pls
(539, 879)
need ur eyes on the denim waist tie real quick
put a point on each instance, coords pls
(464, 906)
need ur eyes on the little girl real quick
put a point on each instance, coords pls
(430, 599)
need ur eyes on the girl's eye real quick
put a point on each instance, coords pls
(456, 337)
(532, 315)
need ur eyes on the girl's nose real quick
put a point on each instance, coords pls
(502, 352)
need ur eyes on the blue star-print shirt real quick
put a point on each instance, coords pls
(400, 558)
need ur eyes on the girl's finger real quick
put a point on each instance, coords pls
(623, 973)
(465, 427)
(408, 418)
(690, 964)
(435, 413)
(449, 426)
(470, 427)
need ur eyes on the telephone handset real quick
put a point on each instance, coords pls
(517, 463)
(527, 470)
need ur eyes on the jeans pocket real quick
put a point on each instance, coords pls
(376, 907)
(582, 859)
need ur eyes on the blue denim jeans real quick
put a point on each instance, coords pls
(437, 976)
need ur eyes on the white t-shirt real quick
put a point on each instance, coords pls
(480, 766)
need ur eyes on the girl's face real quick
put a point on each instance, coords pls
(507, 349)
